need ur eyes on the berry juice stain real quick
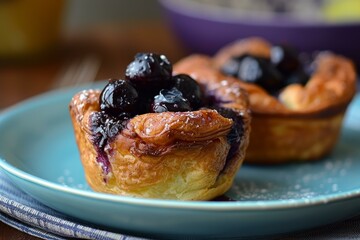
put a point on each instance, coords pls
(104, 129)
(236, 132)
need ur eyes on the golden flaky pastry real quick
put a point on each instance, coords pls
(168, 155)
(303, 122)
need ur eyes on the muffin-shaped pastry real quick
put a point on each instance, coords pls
(297, 105)
(159, 135)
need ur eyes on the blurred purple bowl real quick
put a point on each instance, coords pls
(204, 30)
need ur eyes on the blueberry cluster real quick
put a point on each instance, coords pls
(281, 69)
(150, 87)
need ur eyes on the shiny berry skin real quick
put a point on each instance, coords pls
(170, 101)
(189, 88)
(149, 70)
(118, 97)
(255, 70)
(285, 59)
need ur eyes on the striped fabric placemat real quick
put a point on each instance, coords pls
(26, 214)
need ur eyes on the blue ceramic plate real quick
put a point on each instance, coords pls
(39, 154)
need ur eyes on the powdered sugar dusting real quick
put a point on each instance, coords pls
(337, 173)
(69, 178)
(81, 101)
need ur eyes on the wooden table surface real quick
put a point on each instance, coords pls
(113, 45)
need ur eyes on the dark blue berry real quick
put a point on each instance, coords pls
(118, 97)
(255, 70)
(149, 71)
(285, 59)
(189, 88)
(170, 100)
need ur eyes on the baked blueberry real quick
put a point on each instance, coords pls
(105, 127)
(189, 88)
(149, 71)
(118, 97)
(285, 59)
(255, 70)
(170, 100)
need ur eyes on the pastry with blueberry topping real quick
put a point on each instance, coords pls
(156, 134)
(297, 106)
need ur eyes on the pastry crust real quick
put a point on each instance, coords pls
(169, 155)
(304, 122)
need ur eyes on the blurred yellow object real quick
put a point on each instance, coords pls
(342, 10)
(29, 27)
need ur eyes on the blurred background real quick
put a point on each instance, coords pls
(47, 44)
(63, 17)
(84, 13)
